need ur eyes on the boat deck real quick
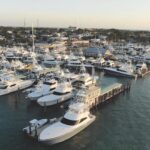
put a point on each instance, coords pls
(34, 134)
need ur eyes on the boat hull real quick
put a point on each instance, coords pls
(117, 73)
(55, 101)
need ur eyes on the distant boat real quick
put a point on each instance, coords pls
(9, 83)
(124, 71)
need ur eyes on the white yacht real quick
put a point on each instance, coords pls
(49, 60)
(73, 60)
(15, 64)
(77, 118)
(126, 70)
(4, 63)
(85, 78)
(10, 83)
(42, 89)
(9, 55)
(28, 60)
(62, 93)
(36, 68)
(71, 76)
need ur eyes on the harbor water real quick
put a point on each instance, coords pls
(123, 123)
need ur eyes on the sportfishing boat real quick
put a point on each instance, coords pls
(10, 83)
(77, 118)
(73, 60)
(85, 78)
(28, 60)
(49, 60)
(42, 89)
(70, 76)
(62, 93)
(125, 70)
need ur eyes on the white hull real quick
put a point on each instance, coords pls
(70, 134)
(49, 101)
(35, 96)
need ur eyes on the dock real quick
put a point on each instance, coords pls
(113, 90)
(96, 96)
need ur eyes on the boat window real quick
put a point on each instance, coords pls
(82, 119)
(68, 122)
(3, 87)
(89, 80)
(52, 89)
(57, 93)
(12, 85)
(50, 59)
(49, 83)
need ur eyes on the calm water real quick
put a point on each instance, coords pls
(122, 124)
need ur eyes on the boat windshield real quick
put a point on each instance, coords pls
(72, 122)
(58, 93)
(3, 87)
(49, 83)
(69, 122)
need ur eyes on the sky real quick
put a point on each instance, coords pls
(121, 14)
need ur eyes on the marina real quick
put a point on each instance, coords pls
(74, 75)
(55, 95)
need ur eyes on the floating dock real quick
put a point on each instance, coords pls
(113, 90)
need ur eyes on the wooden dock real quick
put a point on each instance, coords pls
(108, 93)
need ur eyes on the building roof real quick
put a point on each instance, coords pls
(95, 51)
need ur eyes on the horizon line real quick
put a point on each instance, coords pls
(125, 29)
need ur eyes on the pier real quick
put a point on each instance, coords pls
(96, 96)
(112, 91)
